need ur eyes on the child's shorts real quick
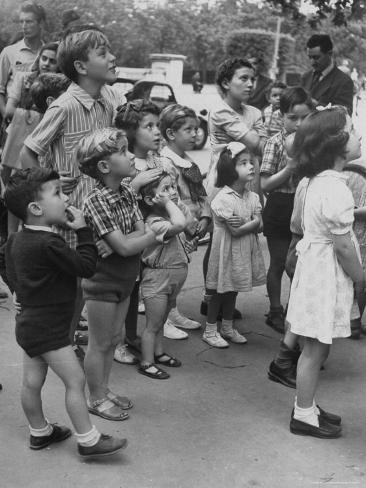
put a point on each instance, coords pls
(158, 282)
(114, 279)
(277, 215)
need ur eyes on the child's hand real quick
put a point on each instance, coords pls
(202, 227)
(191, 228)
(191, 246)
(146, 177)
(75, 218)
(235, 221)
(68, 183)
(161, 199)
(104, 250)
(17, 306)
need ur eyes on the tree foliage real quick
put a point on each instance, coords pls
(202, 30)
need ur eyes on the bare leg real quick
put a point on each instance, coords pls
(312, 357)
(156, 314)
(79, 305)
(64, 363)
(34, 376)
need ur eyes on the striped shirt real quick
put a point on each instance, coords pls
(274, 159)
(69, 118)
(106, 210)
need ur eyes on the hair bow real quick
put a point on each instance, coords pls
(320, 108)
(235, 148)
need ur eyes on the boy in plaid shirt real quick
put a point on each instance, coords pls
(111, 210)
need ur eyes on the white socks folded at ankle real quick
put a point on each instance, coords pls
(88, 439)
(307, 415)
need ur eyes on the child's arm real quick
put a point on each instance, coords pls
(270, 178)
(176, 216)
(248, 228)
(346, 255)
(82, 261)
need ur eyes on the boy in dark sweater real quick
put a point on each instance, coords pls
(42, 270)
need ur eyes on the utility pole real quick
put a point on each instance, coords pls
(274, 68)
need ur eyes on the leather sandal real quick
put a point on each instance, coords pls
(158, 374)
(103, 407)
(169, 361)
(121, 401)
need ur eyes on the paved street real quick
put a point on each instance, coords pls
(218, 422)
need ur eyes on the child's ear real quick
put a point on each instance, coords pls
(35, 209)
(148, 199)
(170, 134)
(103, 167)
(80, 67)
(225, 84)
(49, 100)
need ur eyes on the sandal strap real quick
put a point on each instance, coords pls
(102, 404)
(152, 365)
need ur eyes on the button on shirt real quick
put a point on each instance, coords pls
(69, 118)
(14, 58)
(106, 210)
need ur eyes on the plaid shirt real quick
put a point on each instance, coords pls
(273, 121)
(274, 159)
(106, 210)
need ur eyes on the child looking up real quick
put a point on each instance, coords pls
(164, 273)
(42, 270)
(320, 304)
(236, 262)
(273, 120)
(112, 212)
(278, 182)
(179, 125)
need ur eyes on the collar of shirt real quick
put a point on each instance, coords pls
(45, 228)
(23, 47)
(226, 189)
(83, 97)
(177, 160)
(113, 197)
(335, 174)
(327, 70)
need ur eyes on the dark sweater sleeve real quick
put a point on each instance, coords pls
(80, 262)
(8, 265)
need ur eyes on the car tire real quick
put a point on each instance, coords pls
(202, 134)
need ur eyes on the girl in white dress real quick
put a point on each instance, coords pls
(236, 262)
(328, 269)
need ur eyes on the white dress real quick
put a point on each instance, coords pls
(236, 263)
(322, 296)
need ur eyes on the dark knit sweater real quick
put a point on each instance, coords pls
(42, 269)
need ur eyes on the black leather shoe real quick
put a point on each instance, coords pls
(106, 446)
(331, 418)
(59, 433)
(324, 431)
(275, 318)
(285, 376)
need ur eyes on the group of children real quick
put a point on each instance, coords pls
(130, 213)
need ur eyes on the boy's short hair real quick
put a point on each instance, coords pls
(174, 116)
(226, 70)
(33, 8)
(24, 187)
(75, 47)
(129, 116)
(295, 95)
(320, 40)
(95, 147)
(226, 172)
(276, 84)
(48, 85)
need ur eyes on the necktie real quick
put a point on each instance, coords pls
(315, 80)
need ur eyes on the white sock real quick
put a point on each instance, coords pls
(89, 438)
(307, 415)
(317, 411)
(211, 329)
(46, 430)
(226, 326)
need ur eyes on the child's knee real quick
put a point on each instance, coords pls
(33, 381)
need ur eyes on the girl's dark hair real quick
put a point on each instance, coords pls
(295, 95)
(319, 140)
(174, 117)
(226, 70)
(129, 117)
(226, 172)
